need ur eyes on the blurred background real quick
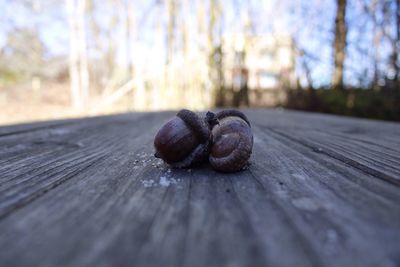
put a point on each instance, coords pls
(72, 58)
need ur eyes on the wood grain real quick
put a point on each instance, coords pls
(320, 191)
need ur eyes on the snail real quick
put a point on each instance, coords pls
(184, 140)
(232, 141)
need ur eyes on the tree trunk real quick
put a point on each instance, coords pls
(82, 46)
(131, 31)
(215, 55)
(377, 36)
(339, 45)
(396, 63)
(78, 65)
(75, 90)
(171, 6)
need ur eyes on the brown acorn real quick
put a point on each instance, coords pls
(184, 140)
(232, 141)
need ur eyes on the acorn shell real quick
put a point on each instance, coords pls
(232, 142)
(183, 141)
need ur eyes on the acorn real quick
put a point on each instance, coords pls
(184, 140)
(232, 141)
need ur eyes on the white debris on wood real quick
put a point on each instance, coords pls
(165, 181)
(305, 204)
(148, 183)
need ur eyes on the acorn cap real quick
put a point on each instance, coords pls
(232, 113)
(195, 123)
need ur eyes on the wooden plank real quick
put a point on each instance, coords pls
(147, 253)
(371, 146)
(15, 146)
(386, 134)
(240, 223)
(29, 127)
(293, 206)
(29, 139)
(324, 200)
(32, 175)
(369, 158)
(110, 184)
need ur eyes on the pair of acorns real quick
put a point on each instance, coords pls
(223, 138)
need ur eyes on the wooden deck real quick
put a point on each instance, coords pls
(321, 191)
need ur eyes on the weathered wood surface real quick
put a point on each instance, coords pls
(321, 191)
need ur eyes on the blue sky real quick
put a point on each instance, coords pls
(310, 21)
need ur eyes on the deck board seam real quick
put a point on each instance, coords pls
(363, 141)
(75, 154)
(186, 222)
(379, 196)
(20, 204)
(249, 223)
(100, 155)
(313, 256)
(345, 160)
(35, 129)
(367, 158)
(78, 169)
(153, 219)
